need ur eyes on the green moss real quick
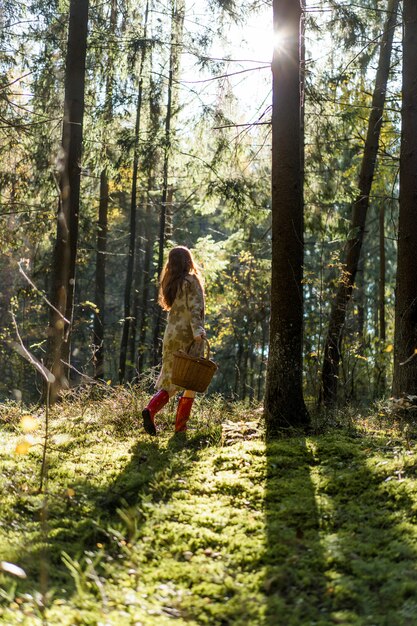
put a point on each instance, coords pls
(210, 528)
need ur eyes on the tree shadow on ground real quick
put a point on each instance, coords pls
(342, 544)
(94, 517)
(295, 584)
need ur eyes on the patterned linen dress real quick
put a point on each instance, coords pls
(185, 321)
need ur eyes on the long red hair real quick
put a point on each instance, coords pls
(180, 264)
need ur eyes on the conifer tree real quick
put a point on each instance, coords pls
(405, 341)
(65, 251)
(284, 403)
(332, 348)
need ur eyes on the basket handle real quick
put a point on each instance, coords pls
(205, 341)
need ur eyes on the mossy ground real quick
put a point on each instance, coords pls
(214, 528)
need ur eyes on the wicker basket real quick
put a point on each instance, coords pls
(193, 372)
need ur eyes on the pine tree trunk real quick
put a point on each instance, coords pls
(146, 352)
(65, 251)
(284, 403)
(405, 342)
(138, 287)
(177, 26)
(382, 271)
(381, 379)
(102, 225)
(262, 360)
(133, 209)
(332, 348)
(100, 286)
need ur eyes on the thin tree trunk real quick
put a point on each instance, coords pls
(146, 352)
(332, 348)
(238, 371)
(138, 287)
(405, 338)
(100, 284)
(380, 366)
(102, 225)
(65, 251)
(382, 272)
(147, 263)
(262, 359)
(177, 25)
(284, 403)
(132, 232)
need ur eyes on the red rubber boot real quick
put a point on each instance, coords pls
(156, 403)
(183, 413)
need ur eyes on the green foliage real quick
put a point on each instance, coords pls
(219, 175)
(213, 527)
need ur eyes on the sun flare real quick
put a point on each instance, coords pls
(279, 40)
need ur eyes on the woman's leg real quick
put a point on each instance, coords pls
(184, 410)
(155, 404)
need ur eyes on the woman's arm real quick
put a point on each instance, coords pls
(195, 305)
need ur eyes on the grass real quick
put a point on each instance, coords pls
(217, 527)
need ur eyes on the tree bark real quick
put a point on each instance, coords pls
(177, 26)
(100, 284)
(405, 337)
(65, 251)
(102, 225)
(284, 403)
(332, 348)
(133, 202)
(138, 287)
(382, 271)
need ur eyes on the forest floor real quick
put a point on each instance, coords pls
(217, 527)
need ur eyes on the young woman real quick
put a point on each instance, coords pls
(181, 293)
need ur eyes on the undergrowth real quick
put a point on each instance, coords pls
(215, 527)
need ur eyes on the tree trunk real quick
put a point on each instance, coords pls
(102, 225)
(65, 251)
(147, 263)
(405, 338)
(133, 201)
(138, 287)
(100, 286)
(284, 403)
(177, 25)
(381, 361)
(332, 348)
(382, 271)
(262, 359)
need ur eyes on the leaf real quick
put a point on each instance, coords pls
(22, 447)
(389, 348)
(70, 492)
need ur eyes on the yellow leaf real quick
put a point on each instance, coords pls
(389, 348)
(22, 447)
(70, 492)
(28, 423)
(108, 382)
